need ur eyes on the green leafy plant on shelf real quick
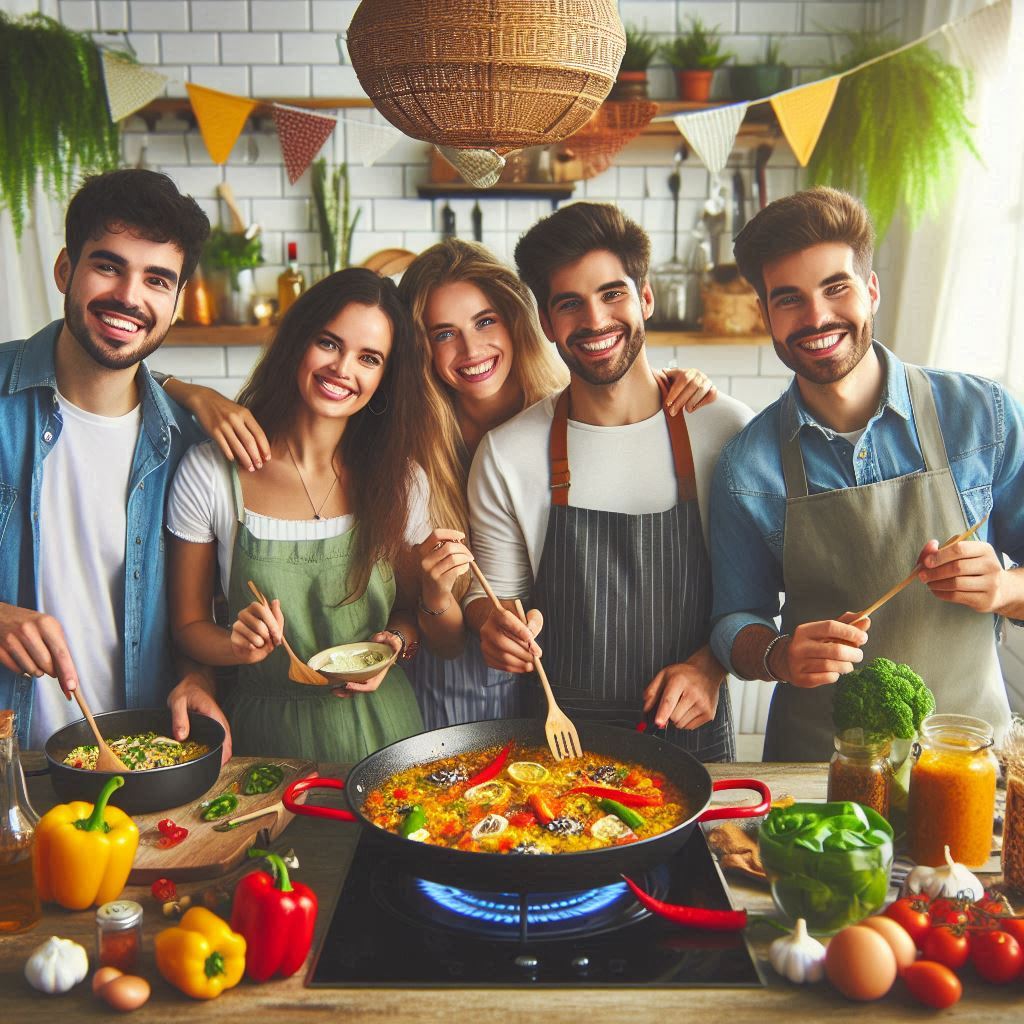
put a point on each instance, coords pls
(54, 120)
(698, 49)
(896, 131)
(231, 251)
(333, 212)
(641, 49)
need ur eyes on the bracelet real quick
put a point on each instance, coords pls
(408, 649)
(769, 674)
(430, 611)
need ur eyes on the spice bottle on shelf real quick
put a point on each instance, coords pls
(952, 791)
(291, 283)
(119, 934)
(19, 899)
(860, 771)
(1013, 820)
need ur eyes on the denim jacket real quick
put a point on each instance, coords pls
(30, 425)
(983, 429)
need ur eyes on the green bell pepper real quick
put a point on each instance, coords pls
(220, 807)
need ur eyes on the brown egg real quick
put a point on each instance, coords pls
(898, 938)
(860, 963)
(126, 993)
(102, 976)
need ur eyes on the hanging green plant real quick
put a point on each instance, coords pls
(896, 131)
(54, 121)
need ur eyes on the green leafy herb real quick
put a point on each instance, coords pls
(232, 251)
(640, 50)
(698, 49)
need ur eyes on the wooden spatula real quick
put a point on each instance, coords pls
(907, 580)
(106, 759)
(298, 670)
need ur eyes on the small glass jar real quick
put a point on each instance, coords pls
(119, 934)
(1013, 820)
(860, 771)
(952, 791)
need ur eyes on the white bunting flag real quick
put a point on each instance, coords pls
(478, 167)
(366, 142)
(130, 86)
(981, 39)
(712, 133)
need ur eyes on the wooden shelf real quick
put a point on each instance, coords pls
(503, 190)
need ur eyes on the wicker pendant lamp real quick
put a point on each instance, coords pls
(487, 74)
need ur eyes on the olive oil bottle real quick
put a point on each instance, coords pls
(19, 900)
(291, 283)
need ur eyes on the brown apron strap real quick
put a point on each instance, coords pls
(558, 448)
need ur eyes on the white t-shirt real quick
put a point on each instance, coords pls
(616, 469)
(201, 509)
(83, 519)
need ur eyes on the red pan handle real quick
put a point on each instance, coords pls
(300, 786)
(714, 813)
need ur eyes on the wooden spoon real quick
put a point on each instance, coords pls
(106, 759)
(298, 670)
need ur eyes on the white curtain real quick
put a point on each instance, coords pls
(952, 288)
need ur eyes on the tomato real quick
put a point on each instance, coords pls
(522, 818)
(163, 889)
(997, 956)
(1014, 926)
(945, 946)
(993, 906)
(933, 984)
(912, 913)
(946, 911)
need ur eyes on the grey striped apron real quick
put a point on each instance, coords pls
(844, 548)
(623, 596)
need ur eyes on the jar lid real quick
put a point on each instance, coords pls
(961, 733)
(119, 914)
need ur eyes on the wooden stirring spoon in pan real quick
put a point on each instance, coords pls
(106, 759)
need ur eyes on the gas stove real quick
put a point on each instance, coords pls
(390, 929)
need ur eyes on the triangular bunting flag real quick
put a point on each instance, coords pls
(802, 113)
(129, 85)
(221, 118)
(478, 167)
(981, 40)
(712, 133)
(302, 133)
(366, 142)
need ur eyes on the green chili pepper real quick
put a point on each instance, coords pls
(414, 820)
(220, 807)
(625, 814)
(262, 778)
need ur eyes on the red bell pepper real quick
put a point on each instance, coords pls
(276, 916)
(654, 799)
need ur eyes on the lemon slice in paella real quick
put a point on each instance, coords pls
(487, 792)
(528, 773)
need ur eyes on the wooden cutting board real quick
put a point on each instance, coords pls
(206, 853)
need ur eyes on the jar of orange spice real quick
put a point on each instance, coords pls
(1013, 822)
(952, 791)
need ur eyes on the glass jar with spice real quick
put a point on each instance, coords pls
(860, 771)
(119, 934)
(1013, 821)
(952, 791)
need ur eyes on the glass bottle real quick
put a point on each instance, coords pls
(1013, 820)
(19, 900)
(291, 283)
(952, 791)
(860, 771)
(119, 934)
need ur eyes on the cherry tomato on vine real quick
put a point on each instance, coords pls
(946, 947)
(163, 889)
(946, 911)
(912, 913)
(1013, 926)
(933, 984)
(997, 956)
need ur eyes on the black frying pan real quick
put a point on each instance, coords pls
(508, 872)
(156, 789)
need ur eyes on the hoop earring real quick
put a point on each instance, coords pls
(381, 409)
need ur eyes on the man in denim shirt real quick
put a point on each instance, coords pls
(828, 494)
(90, 445)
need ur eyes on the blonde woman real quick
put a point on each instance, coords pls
(483, 358)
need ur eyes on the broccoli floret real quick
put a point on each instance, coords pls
(885, 699)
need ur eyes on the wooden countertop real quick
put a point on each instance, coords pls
(324, 849)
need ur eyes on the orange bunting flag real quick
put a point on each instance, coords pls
(221, 118)
(802, 113)
(302, 133)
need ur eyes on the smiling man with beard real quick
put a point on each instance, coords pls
(828, 494)
(90, 445)
(591, 506)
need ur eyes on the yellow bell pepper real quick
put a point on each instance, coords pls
(83, 852)
(201, 955)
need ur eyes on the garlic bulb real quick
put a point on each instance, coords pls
(798, 957)
(950, 881)
(56, 966)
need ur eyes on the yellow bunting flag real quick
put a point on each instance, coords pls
(802, 113)
(221, 118)
(129, 85)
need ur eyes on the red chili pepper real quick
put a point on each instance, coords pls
(163, 890)
(654, 799)
(276, 916)
(173, 838)
(166, 826)
(485, 774)
(691, 917)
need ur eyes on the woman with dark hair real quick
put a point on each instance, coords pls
(322, 529)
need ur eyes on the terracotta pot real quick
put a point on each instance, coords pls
(629, 85)
(694, 85)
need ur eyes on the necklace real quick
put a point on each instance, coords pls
(316, 511)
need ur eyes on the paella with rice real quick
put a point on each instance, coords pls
(140, 752)
(528, 803)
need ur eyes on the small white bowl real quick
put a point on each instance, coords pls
(323, 659)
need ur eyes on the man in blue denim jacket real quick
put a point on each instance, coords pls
(829, 494)
(90, 445)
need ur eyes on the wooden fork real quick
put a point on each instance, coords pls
(298, 670)
(106, 759)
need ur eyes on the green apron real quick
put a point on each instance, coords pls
(270, 715)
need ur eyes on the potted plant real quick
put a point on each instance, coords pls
(230, 257)
(333, 213)
(631, 82)
(752, 81)
(694, 56)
